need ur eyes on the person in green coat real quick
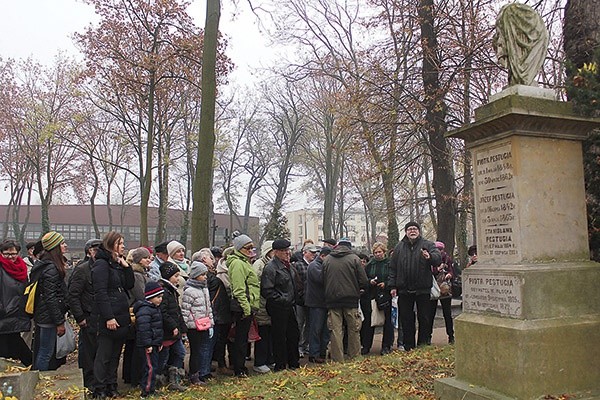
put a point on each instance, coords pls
(245, 292)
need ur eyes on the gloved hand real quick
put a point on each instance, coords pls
(210, 333)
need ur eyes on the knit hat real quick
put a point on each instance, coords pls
(281, 244)
(152, 289)
(440, 245)
(198, 268)
(266, 248)
(241, 241)
(138, 254)
(168, 269)
(52, 239)
(412, 223)
(173, 246)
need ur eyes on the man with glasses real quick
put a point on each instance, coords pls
(279, 284)
(411, 279)
(13, 320)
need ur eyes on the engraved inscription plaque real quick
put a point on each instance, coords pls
(498, 294)
(497, 204)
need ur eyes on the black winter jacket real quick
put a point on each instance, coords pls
(148, 324)
(344, 278)
(410, 272)
(221, 305)
(51, 294)
(278, 284)
(171, 312)
(111, 282)
(13, 318)
(81, 291)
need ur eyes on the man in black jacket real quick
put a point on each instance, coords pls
(278, 286)
(411, 279)
(344, 279)
(81, 298)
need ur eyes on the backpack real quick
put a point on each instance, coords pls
(30, 291)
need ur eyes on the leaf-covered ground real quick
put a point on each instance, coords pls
(399, 375)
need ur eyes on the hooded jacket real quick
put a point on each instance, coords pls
(148, 324)
(245, 287)
(195, 303)
(410, 272)
(51, 294)
(343, 278)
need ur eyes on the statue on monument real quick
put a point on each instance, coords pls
(520, 42)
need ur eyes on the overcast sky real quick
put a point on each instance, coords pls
(40, 28)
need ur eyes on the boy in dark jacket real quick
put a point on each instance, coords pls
(149, 335)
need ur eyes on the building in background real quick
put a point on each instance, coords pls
(308, 224)
(75, 224)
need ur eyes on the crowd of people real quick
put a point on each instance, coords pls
(150, 307)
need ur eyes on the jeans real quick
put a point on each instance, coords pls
(406, 304)
(335, 321)
(47, 346)
(201, 351)
(175, 352)
(319, 333)
(148, 380)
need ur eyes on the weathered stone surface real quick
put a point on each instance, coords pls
(531, 319)
(23, 383)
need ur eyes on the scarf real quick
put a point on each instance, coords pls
(16, 269)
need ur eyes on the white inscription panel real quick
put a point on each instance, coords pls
(496, 204)
(499, 294)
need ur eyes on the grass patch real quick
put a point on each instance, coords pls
(399, 375)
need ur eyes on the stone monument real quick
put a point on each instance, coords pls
(530, 325)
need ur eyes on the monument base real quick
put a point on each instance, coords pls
(452, 388)
(544, 342)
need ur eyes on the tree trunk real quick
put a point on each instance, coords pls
(581, 31)
(443, 177)
(206, 139)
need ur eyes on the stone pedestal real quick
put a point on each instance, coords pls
(531, 319)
